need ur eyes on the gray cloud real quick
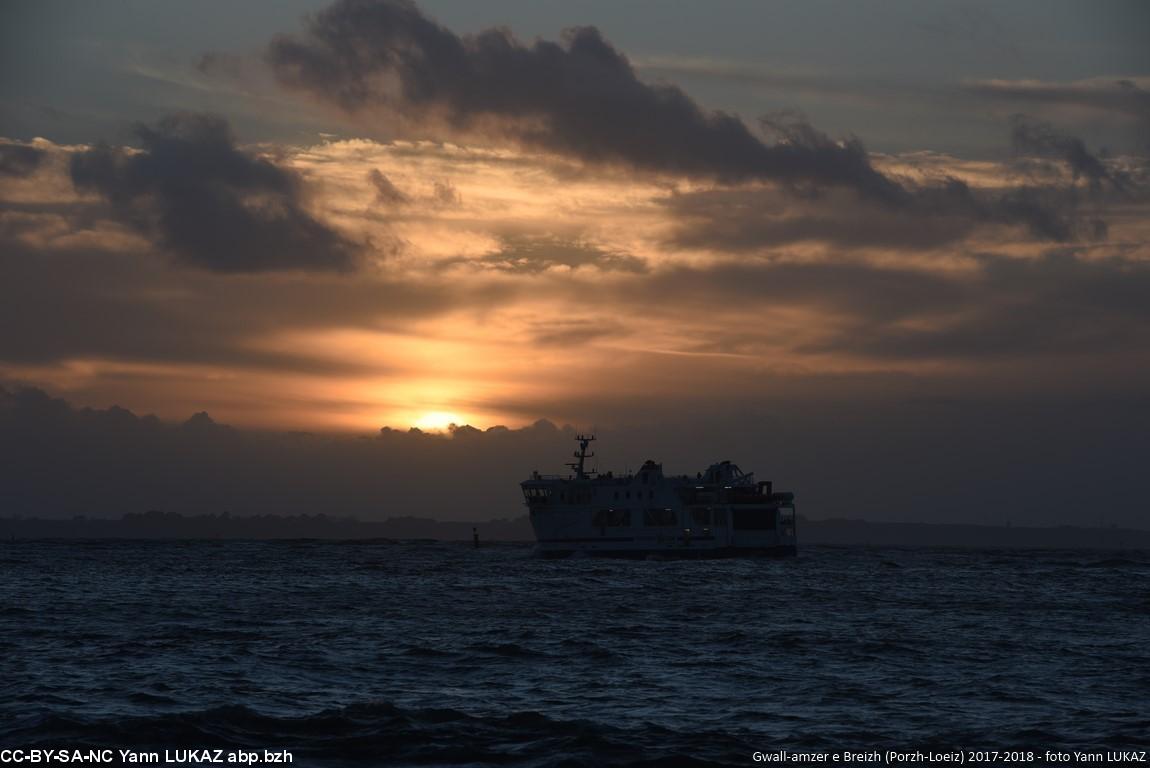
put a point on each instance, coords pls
(749, 220)
(531, 255)
(1040, 139)
(1119, 96)
(219, 64)
(1055, 308)
(130, 307)
(444, 193)
(580, 97)
(19, 160)
(210, 203)
(1058, 307)
(574, 333)
(858, 292)
(386, 193)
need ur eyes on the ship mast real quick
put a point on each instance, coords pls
(582, 455)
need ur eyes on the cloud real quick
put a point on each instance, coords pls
(1124, 96)
(856, 291)
(444, 193)
(747, 220)
(1040, 139)
(1056, 307)
(528, 255)
(125, 320)
(941, 213)
(210, 203)
(19, 160)
(219, 64)
(386, 193)
(575, 332)
(579, 97)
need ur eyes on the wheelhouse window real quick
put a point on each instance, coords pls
(537, 495)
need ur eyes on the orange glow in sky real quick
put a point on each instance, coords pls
(495, 296)
(438, 421)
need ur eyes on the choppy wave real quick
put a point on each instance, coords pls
(382, 733)
(434, 654)
(1118, 562)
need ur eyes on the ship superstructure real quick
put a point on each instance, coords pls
(720, 512)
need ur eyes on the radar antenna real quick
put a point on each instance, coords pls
(582, 455)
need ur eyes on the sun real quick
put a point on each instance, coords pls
(437, 421)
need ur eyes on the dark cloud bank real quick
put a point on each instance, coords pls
(210, 203)
(925, 460)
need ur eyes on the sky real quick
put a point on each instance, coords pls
(895, 255)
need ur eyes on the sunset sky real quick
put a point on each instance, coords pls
(639, 216)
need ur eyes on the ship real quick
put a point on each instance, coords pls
(720, 512)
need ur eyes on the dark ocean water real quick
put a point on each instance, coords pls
(439, 654)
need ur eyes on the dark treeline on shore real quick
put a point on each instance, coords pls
(169, 525)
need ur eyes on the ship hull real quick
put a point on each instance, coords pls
(685, 553)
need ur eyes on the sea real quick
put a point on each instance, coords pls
(429, 654)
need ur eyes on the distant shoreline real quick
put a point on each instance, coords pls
(834, 532)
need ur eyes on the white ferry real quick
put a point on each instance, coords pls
(722, 512)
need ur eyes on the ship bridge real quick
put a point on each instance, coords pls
(724, 473)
